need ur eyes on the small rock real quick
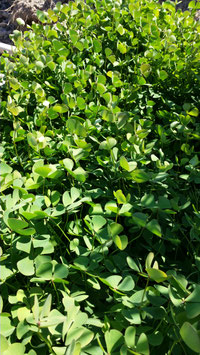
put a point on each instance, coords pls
(197, 16)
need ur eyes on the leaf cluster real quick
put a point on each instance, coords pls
(100, 174)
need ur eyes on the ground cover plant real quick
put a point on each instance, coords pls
(100, 174)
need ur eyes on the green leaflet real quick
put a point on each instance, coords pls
(190, 336)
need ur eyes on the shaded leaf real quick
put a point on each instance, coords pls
(154, 227)
(190, 337)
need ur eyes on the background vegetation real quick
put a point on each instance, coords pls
(100, 177)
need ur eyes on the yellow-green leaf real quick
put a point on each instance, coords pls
(121, 241)
(154, 227)
(156, 275)
(121, 199)
(121, 47)
(124, 163)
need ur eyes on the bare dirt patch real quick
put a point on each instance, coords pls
(27, 11)
(10, 10)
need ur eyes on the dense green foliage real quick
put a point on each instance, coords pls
(100, 177)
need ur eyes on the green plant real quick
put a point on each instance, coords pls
(100, 224)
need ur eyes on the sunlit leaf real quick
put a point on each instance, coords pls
(156, 275)
(26, 266)
(113, 339)
(142, 344)
(145, 69)
(121, 47)
(154, 227)
(121, 241)
(115, 229)
(130, 336)
(120, 197)
(97, 45)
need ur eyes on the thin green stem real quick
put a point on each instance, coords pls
(173, 345)
(41, 337)
(16, 152)
(57, 225)
(57, 295)
(63, 232)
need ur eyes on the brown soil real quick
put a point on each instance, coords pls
(27, 11)
(10, 10)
